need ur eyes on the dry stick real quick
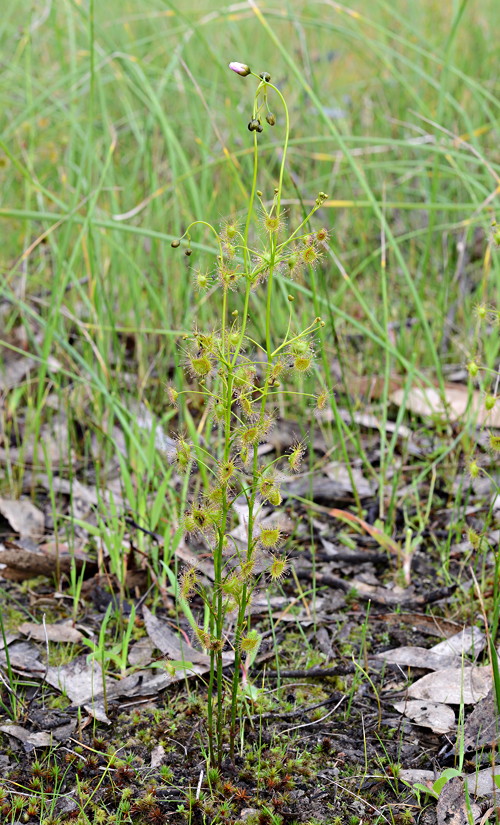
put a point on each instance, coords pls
(346, 586)
(313, 672)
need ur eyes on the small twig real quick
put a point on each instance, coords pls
(312, 672)
(200, 780)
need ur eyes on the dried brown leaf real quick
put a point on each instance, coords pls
(81, 680)
(23, 658)
(412, 775)
(482, 783)
(459, 403)
(434, 715)
(419, 657)
(24, 518)
(38, 739)
(452, 806)
(445, 654)
(171, 644)
(453, 685)
(52, 632)
(482, 727)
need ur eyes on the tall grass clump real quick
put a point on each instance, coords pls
(239, 378)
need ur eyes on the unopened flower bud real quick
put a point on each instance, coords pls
(172, 394)
(240, 68)
(265, 76)
(254, 125)
(482, 312)
(271, 119)
(175, 244)
(188, 252)
(474, 469)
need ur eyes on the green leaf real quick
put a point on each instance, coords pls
(448, 774)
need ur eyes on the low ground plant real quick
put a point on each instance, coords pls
(240, 379)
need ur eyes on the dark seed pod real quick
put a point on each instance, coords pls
(175, 244)
(188, 252)
(271, 119)
(254, 124)
(265, 76)
(259, 128)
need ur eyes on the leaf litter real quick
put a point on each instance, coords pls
(357, 569)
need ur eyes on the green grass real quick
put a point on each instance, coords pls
(122, 126)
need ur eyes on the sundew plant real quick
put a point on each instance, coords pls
(239, 378)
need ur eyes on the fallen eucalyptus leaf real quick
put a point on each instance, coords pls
(452, 806)
(37, 739)
(482, 727)
(434, 715)
(453, 685)
(482, 783)
(24, 518)
(52, 632)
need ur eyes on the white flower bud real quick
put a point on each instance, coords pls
(240, 68)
